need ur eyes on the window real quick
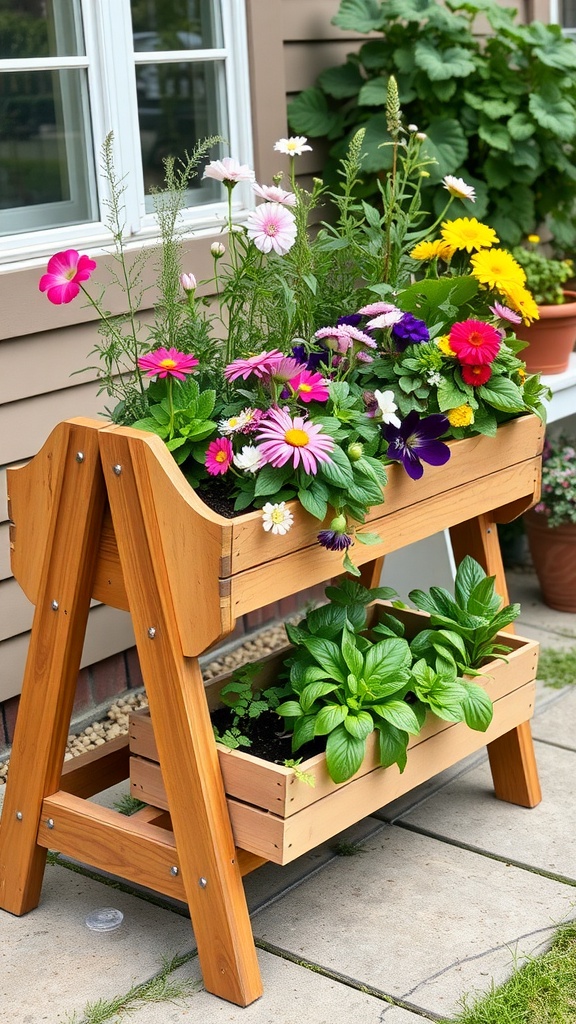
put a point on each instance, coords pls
(563, 12)
(161, 74)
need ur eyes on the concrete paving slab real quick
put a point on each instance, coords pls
(418, 919)
(52, 964)
(292, 995)
(557, 721)
(543, 837)
(537, 616)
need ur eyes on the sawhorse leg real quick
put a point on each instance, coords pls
(512, 758)
(183, 732)
(53, 661)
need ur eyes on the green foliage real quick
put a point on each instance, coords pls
(348, 680)
(511, 94)
(558, 497)
(544, 276)
(248, 703)
(556, 667)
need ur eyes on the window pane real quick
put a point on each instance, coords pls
(40, 28)
(176, 25)
(45, 171)
(568, 13)
(179, 105)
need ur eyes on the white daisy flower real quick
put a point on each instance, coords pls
(387, 407)
(276, 518)
(458, 187)
(234, 423)
(248, 459)
(294, 146)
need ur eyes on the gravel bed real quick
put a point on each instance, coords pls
(115, 721)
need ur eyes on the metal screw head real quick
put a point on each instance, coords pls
(174, 870)
(19, 815)
(50, 823)
(55, 606)
(117, 470)
(79, 456)
(202, 882)
(151, 632)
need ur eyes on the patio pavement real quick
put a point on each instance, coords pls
(448, 889)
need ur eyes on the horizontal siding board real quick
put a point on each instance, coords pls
(24, 426)
(5, 570)
(50, 358)
(109, 632)
(16, 611)
(302, 69)
(303, 20)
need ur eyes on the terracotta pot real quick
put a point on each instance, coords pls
(551, 337)
(553, 551)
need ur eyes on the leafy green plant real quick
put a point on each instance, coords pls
(247, 703)
(463, 627)
(499, 110)
(544, 275)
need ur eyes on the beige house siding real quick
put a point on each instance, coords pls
(290, 42)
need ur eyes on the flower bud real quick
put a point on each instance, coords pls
(217, 249)
(339, 524)
(412, 127)
(421, 136)
(188, 282)
(355, 451)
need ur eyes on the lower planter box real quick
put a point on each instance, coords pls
(278, 816)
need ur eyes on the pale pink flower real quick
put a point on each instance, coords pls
(188, 282)
(375, 308)
(285, 437)
(217, 249)
(261, 365)
(272, 226)
(219, 455)
(294, 146)
(344, 336)
(505, 314)
(65, 271)
(228, 170)
(386, 319)
(275, 194)
(167, 362)
(286, 368)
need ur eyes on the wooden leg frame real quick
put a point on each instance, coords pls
(46, 805)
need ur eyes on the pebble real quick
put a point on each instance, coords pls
(115, 722)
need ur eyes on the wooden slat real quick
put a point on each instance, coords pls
(283, 841)
(67, 579)
(142, 509)
(98, 769)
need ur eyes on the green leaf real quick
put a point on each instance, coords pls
(484, 600)
(376, 156)
(314, 500)
(341, 81)
(373, 93)
(503, 394)
(344, 754)
(393, 745)
(313, 691)
(439, 65)
(310, 114)
(359, 15)
(351, 654)
(338, 471)
(477, 707)
(359, 725)
(349, 566)
(328, 655)
(329, 718)
(553, 112)
(468, 575)
(447, 144)
(290, 709)
(387, 659)
(400, 714)
(303, 731)
(520, 127)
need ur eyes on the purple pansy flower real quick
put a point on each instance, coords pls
(416, 439)
(312, 360)
(353, 319)
(409, 331)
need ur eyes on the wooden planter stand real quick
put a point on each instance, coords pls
(103, 513)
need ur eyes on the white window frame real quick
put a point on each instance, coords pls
(113, 107)
(555, 19)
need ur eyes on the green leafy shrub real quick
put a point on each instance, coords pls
(544, 275)
(499, 110)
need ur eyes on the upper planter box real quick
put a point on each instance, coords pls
(227, 567)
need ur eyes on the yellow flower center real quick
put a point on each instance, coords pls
(233, 421)
(297, 438)
(220, 456)
(167, 364)
(305, 387)
(277, 516)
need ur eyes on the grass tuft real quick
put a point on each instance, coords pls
(557, 668)
(160, 988)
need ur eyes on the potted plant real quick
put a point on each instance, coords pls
(551, 337)
(551, 525)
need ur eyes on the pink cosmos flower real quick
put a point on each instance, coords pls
(272, 226)
(65, 271)
(262, 365)
(167, 362)
(297, 438)
(505, 313)
(310, 387)
(474, 342)
(219, 455)
(275, 194)
(188, 282)
(229, 171)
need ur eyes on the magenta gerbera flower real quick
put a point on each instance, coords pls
(167, 362)
(261, 365)
(475, 342)
(310, 387)
(65, 271)
(285, 437)
(272, 226)
(219, 455)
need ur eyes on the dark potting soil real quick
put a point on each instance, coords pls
(214, 495)
(268, 739)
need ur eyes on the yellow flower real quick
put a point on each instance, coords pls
(468, 233)
(521, 374)
(432, 250)
(496, 268)
(521, 300)
(533, 239)
(461, 416)
(443, 344)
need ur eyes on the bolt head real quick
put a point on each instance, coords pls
(174, 870)
(202, 882)
(117, 470)
(19, 815)
(151, 632)
(55, 606)
(79, 456)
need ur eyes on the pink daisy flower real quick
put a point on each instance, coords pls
(474, 342)
(65, 271)
(310, 387)
(343, 336)
(286, 368)
(262, 365)
(167, 362)
(285, 437)
(504, 313)
(219, 455)
(476, 375)
(274, 194)
(228, 170)
(375, 308)
(272, 226)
